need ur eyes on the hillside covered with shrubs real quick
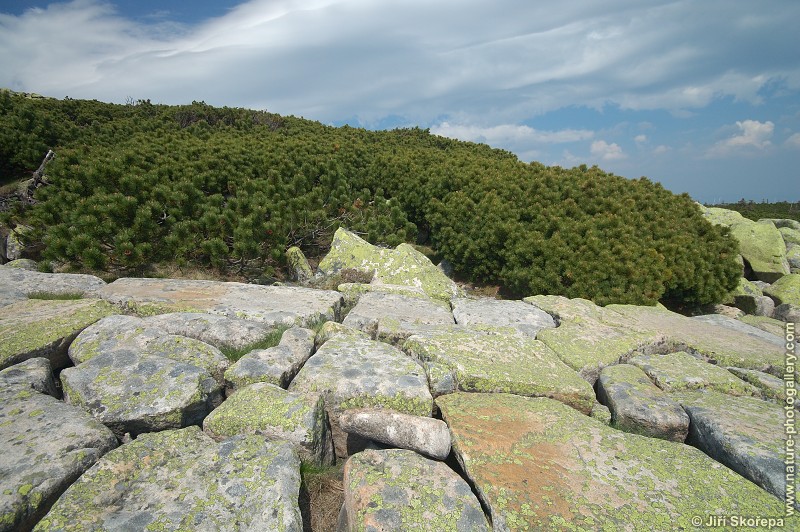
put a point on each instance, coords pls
(142, 184)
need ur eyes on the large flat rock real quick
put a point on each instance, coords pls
(183, 480)
(32, 282)
(352, 372)
(135, 393)
(395, 317)
(762, 246)
(275, 414)
(473, 361)
(590, 337)
(46, 444)
(744, 433)
(270, 304)
(397, 489)
(741, 326)
(488, 313)
(403, 265)
(540, 465)
(44, 328)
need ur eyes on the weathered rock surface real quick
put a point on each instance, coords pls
(222, 332)
(297, 261)
(31, 282)
(40, 328)
(277, 365)
(10, 295)
(473, 361)
(555, 469)
(788, 312)
(135, 393)
(681, 371)
(356, 373)
(275, 414)
(24, 264)
(785, 290)
(394, 317)
(486, 313)
(762, 246)
(638, 406)
(793, 257)
(46, 444)
(770, 325)
(741, 326)
(424, 435)
(744, 433)
(273, 305)
(772, 388)
(353, 291)
(183, 480)
(403, 265)
(330, 329)
(398, 489)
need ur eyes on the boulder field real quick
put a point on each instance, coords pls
(193, 405)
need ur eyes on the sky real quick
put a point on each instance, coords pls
(702, 96)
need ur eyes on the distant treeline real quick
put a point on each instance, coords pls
(756, 211)
(142, 184)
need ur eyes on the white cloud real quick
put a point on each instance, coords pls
(793, 141)
(754, 135)
(661, 149)
(640, 139)
(328, 59)
(605, 151)
(509, 134)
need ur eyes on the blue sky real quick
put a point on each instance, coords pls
(700, 95)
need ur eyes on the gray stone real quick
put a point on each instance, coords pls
(781, 223)
(763, 248)
(301, 270)
(14, 246)
(275, 414)
(772, 388)
(133, 393)
(356, 373)
(183, 480)
(638, 406)
(487, 312)
(744, 433)
(353, 291)
(424, 435)
(32, 282)
(38, 328)
(398, 489)
(277, 365)
(46, 445)
(463, 359)
(394, 317)
(681, 371)
(32, 374)
(274, 305)
(787, 312)
(793, 257)
(770, 325)
(222, 332)
(785, 290)
(737, 325)
(23, 264)
(601, 413)
(403, 265)
(331, 328)
(540, 465)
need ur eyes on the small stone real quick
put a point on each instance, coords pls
(301, 270)
(277, 365)
(32, 374)
(421, 434)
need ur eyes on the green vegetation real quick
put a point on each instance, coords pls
(271, 340)
(756, 211)
(134, 186)
(56, 296)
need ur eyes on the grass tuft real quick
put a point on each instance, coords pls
(56, 296)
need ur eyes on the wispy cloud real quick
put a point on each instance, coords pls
(604, 151)
(754, 136)
(793, 141)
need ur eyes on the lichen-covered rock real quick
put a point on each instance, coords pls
(681, 371)
(15, 248)
(183, 480)
(486, 313)
(743, 433)
(22, 264)
(222, 332)
(424, 435)
(275, 414)
(46, 445)
(32, 374)
(638, 406)
(741, 326)
(781, 223)
(274, 305)
(540, 465)
(790, 235)
(356, 373)
(770, 325)
(41, 328)
(473, 361)
(134, 393)
(395, 317)
(793, 257)
(296, 259)
(277, 365)
(785, 290)
(719, 216)
(601, 413)
(787, 313)
(772, 388)
(330, 329)
(762, 246)
(403, 265)
(353, 291)
(31, 282)
(397, 489)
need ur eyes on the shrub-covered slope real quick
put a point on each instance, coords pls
(139, 184)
